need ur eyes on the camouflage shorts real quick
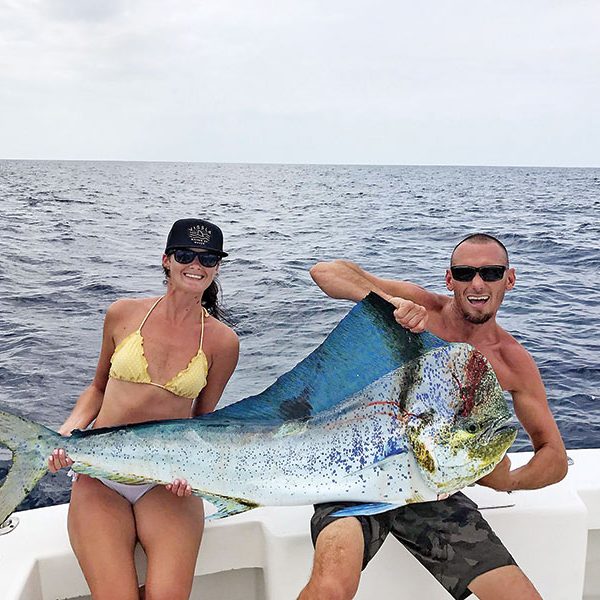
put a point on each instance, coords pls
(449, 538)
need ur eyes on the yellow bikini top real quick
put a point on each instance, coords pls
(128, 363)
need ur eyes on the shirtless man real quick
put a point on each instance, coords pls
(478, 277)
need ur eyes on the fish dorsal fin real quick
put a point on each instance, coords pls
(127, 428)
(364, 346)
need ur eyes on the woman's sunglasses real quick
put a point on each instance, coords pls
(487, 273)
(206, 259)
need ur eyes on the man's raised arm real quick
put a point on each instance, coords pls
(345, 279)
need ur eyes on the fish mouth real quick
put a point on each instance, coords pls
(493, 444)
(499, 428)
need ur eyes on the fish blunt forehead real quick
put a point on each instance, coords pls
(478, 252)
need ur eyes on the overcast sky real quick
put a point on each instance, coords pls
(501, 82)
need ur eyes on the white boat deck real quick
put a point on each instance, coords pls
(266, 554)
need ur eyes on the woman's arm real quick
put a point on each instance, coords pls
(86, 409)
(223, 363)
(89, 402)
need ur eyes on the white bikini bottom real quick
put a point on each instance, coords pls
(132, 492)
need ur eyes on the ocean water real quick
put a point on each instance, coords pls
(76, 236)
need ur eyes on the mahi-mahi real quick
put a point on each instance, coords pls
(375, 415)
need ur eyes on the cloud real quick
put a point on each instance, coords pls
(87, 11)
(293, 70)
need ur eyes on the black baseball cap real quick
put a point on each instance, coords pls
(195, 233)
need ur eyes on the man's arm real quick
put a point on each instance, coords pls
(549, 463)
(344, 279)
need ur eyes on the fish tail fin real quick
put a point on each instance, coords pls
(30, 445)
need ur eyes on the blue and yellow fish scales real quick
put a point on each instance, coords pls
(376, 415)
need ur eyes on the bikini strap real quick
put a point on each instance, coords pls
(204, 312)
(148, 313)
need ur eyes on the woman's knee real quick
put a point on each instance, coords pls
(167, 590)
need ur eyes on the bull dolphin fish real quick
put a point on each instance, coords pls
(375, 414)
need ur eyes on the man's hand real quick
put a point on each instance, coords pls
(500, 478)
(410, 315)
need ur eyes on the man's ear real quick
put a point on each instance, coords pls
(511, 279)
(449, 281)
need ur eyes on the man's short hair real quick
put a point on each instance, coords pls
(480, 238)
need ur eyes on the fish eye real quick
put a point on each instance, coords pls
(472, 428)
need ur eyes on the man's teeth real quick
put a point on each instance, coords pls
(478, 298)
(191, 276)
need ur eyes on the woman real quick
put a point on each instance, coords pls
(161, 358)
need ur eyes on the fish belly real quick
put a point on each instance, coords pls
(354, 454)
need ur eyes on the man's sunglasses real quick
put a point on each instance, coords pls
(206, 259)
(487, 273)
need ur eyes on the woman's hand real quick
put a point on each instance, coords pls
(180, 487)
(58, 460)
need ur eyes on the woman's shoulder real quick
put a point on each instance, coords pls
(225, 334)
(126, 308)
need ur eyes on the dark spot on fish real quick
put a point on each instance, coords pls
(298, 408)
(410, 377)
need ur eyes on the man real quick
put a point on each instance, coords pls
(449, 537)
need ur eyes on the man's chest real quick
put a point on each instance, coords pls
(503, 372)
(492, 352)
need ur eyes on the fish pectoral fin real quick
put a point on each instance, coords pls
(291, 428)
(372, 508)
(226, 505)
(382, 463)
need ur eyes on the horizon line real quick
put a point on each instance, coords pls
(291, 164)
